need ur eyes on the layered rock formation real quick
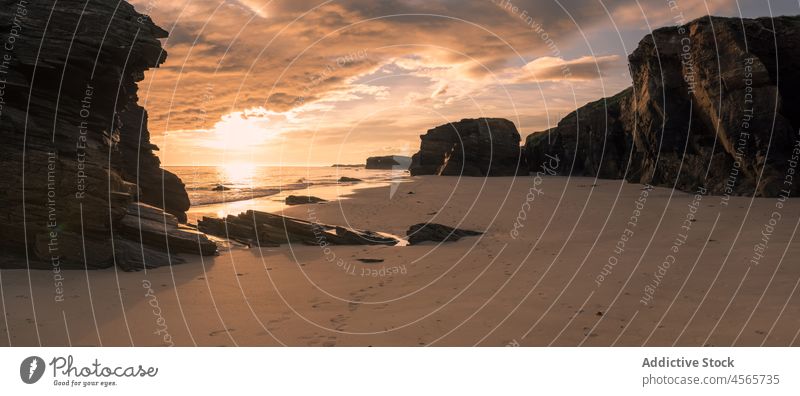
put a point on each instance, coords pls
(255, 228)
(140, 165)
(397, 162)
(75, 149)
(713, 104)
(470, 147)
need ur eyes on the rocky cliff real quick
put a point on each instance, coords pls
(75, 150)
(470, 147)
(592, 140)
(714, 103)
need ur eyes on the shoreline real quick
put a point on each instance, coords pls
(275, 203)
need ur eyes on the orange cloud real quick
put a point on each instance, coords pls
(581, 69)
(330, 68)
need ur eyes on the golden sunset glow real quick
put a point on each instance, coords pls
(239, 173)
(240, 131)
(263, 78)
(400, 173)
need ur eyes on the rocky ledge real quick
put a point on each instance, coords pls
(303, 200)
(432, 232)
(470, 147)
(82, 187)
(263, 229)
(714, 106)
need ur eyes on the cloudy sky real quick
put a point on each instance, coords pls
(312, 82)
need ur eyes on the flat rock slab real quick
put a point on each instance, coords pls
(263, 229)
(302, 200)
(424, 232)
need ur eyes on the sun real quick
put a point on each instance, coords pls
(242, 131)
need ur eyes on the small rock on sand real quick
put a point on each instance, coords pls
(423, 232)
(345, 179)
(301, 200)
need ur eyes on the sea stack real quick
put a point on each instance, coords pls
(718, 114)
(470, 147)
(75, 144)
(396, 162)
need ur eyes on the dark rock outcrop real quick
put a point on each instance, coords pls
(74, 144)
(345, 179)
(425, 232)
(713, 104)
(303, 199)
(396, 162)
(592, 140)
(138, 162)
(470, 147)
(255, 228)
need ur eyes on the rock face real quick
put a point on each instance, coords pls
(75, 148)
(139, 165)
(594, 136)
(713, 104)
(396, 162)
(470, 147)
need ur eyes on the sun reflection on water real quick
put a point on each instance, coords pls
(239, 174)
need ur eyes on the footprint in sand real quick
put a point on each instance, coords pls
(329, 341)
(339, 321)
(218, 332)
(317, 338)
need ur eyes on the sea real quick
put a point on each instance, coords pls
(221, 190)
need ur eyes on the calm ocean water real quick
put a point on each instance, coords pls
(243, 182)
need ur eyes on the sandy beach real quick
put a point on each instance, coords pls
(540, 275)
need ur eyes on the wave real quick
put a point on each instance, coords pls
(201, 182)
(218, 197)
